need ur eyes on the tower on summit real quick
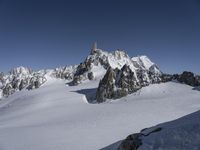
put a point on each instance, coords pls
(94, 48)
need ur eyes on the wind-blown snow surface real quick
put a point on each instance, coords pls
(58, 117)
(181, 134)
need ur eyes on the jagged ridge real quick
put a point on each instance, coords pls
(102, 60)
(24, 78)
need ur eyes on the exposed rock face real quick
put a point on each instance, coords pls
(66, 72)
(2, 80)
(126, 80)
(118, 83)
(197, 78)
(81, 72)
(186, 77)
(19, 71)
(35, 82)
(167, 77)
(8, 90)
(127, 83)
(91, 76)
(24, 78)
(101, 59)
(18, 79)
(85, 70)
(132, 142)
(189, 78)
(107, 86)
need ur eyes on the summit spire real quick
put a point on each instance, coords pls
(94, 48)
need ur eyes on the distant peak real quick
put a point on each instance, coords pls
(21, 70)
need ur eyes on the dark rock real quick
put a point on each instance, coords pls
(189, 78)
(2, 77)
(106, 87)
(22, 85)
(132, 142)
(90, 76)
(126, 80)
(143, 79)
(81, 72)
(118, 83)
(36, 82)
(8, 90)
(66, 72)
(186, 77)
(166, 77)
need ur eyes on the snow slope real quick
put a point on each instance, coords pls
(182, 134)
(58, 117)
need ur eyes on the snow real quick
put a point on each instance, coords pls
(1, 95)
(98, 71)
(20, 70)
(58, 117)
(181, 134)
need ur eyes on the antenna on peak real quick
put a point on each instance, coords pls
(94, 48)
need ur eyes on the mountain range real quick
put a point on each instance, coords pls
(106, 97)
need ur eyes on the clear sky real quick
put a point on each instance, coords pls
(51, 33)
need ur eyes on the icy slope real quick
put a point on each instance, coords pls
(182, 134)
(58, 117)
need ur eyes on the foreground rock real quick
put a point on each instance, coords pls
(180, 134)
(132, 142)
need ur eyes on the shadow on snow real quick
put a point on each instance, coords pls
(90, 94)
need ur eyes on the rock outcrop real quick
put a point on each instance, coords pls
(189, 78)
(186, 77)
(179, 134)
(18, 79)
(90, 67)
(98, 61)
(118, 83)
(66, 72)
(132, 142)
(24, 78)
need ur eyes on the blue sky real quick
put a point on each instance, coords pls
(51, 33)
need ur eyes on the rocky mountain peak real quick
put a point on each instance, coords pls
(102, 60)
(21, 70)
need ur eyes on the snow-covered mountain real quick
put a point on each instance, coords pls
(24, 78)
(56, 115)
(94, 67)
(19, 78)
(96, 64)
(117, 73)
